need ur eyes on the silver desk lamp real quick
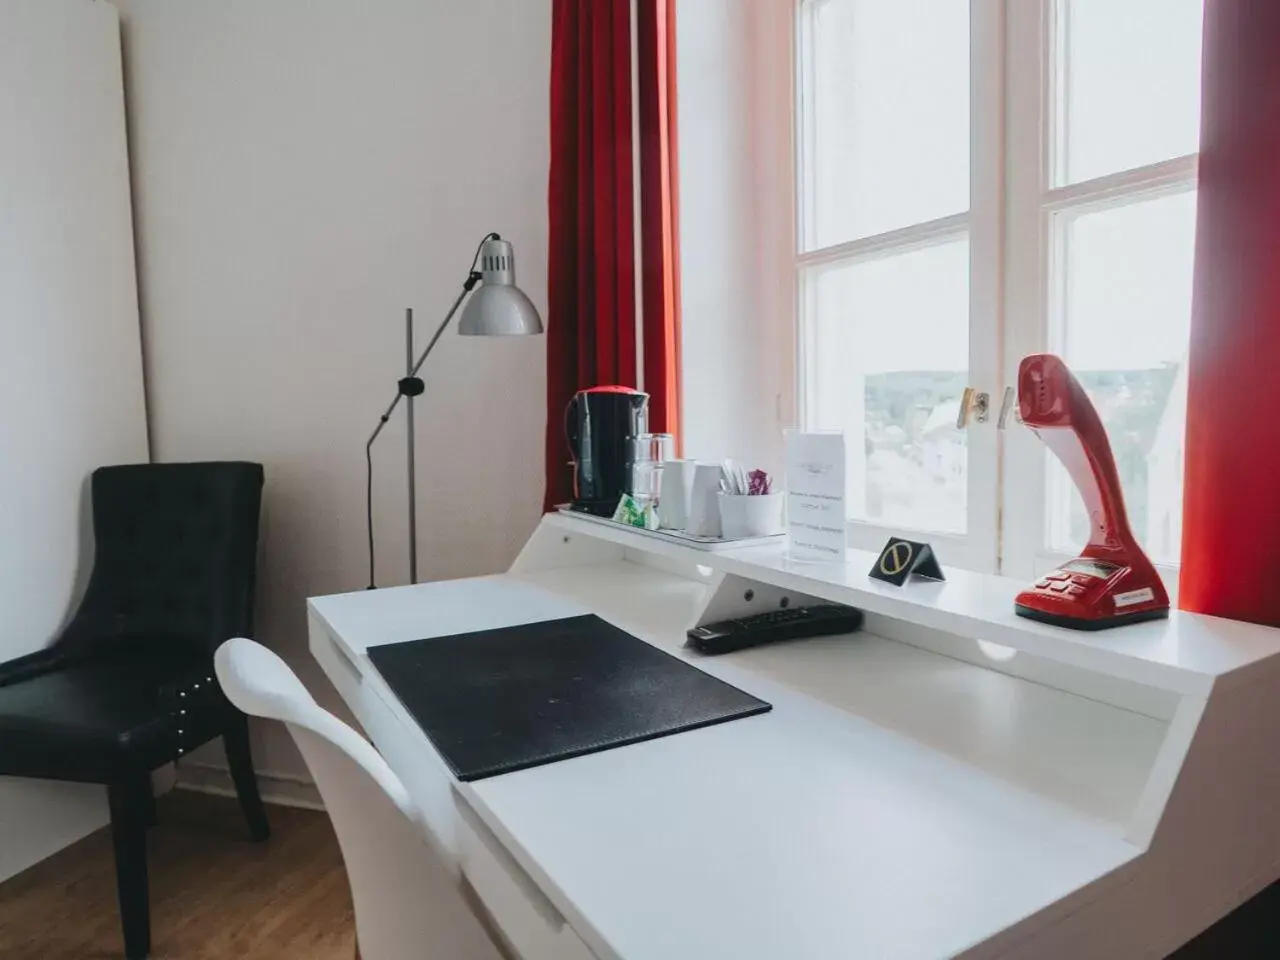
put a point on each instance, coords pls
(497, 309)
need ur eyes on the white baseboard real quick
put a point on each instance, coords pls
(285, 789)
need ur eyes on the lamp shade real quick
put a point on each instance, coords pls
(498, 308)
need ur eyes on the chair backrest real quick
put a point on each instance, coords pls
(175, 557)
(408, 904)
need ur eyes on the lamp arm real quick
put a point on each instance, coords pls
(472, 279)
(400, 394)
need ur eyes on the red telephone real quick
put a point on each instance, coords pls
(1112, 582)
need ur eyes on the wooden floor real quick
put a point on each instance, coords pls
(214, 894)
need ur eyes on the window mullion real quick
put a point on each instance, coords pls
(1029, 144)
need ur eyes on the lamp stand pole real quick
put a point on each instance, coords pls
(409, 371)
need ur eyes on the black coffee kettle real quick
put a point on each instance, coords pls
(600, 424)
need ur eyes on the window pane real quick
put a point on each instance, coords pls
(888, 89)
(1126, 319)
(1130, 84)
(887, 357)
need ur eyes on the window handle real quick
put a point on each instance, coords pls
(973, 405)
(1007, 406)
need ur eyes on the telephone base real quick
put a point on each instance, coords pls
(1101, 623)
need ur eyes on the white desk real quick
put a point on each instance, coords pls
(906, 798)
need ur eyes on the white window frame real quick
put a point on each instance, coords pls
(983, 223)
(1012, 200)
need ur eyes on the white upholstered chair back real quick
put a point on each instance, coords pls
(408, 904)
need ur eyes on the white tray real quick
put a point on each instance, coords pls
(710, 544)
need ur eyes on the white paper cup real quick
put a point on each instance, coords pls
(676, 494)
(742, 515)
(704, 506)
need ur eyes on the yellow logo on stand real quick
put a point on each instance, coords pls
(900, 560)
(896, 559)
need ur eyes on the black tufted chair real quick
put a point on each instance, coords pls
(129, 685)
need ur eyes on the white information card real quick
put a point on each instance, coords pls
(815, 495)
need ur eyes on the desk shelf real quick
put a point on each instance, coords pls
(1186, 654)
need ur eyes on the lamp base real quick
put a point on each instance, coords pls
(1079, 623)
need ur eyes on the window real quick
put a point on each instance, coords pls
(890, 335)
(975, 182)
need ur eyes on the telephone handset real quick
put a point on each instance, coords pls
(1112, 582)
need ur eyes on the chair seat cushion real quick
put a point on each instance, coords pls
(97, 719)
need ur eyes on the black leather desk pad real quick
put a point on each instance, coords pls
(501, 700)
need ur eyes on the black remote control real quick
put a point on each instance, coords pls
(792, 623)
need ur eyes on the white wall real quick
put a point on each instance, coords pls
(304, 170)
(736, 242)
(70, 366)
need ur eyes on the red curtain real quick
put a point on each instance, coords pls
(659, 224)
(1231, 505)
(591, 282)
(591, 263)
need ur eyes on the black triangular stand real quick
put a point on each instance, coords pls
(900, 559)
